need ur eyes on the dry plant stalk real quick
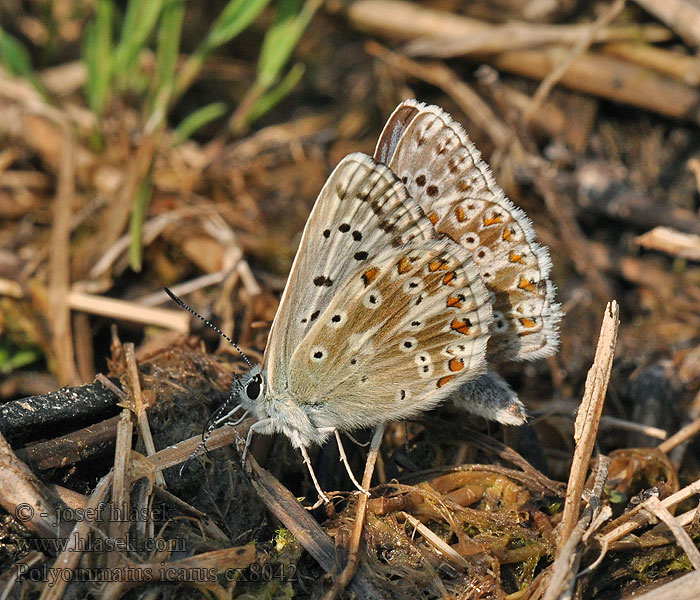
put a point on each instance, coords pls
(588, 418)
(683, 16)
(348, 572)
(677, 243)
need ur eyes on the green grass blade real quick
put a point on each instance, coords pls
(197, 119)
(13, 359)
(139, 23)
(97, 54)
(281, 39)
(14, 56)
(17, 60)
(138, 215)
(274, 96)
(169, 34)
(235, 17)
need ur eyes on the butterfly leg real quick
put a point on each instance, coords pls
(344, 578)
(254, 427)
(307, 460)
(214, 423)
(344, 460)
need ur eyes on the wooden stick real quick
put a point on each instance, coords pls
(595, 74)
(177, 320)
(674, 64)
(607, 77)
(582, 44)
(680, 15)
(588, 419)
(407, 21)
(678, 243)
(354, 551)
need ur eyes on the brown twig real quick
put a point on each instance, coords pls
(342, 581)
(407, 21)
(682, 16)
(59, 269)
(654, 506)
(69, 558)
(679, 66)
(305, 529)
(584, 42)
(588, 419)
(680, 436)
(684, 587)
(121, 484)
(664, 239)
(565, 567)
(140, 405)
(441, 76)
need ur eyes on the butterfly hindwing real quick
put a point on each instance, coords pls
(443, 171)
(403, 332)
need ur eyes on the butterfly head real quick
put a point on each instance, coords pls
(252, 389)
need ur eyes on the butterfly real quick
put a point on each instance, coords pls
(414, 274)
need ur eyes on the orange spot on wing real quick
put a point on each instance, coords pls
(447, 279)
(526, 285)
(462, 327)
(507, 233)
(527, 322)
(456, 364)
(453, 302)
(460, 214)
(433, 216)
(492, 220)
(438, 264)
(514, 257)
(446, 379)
(370, 275)
(404, 265)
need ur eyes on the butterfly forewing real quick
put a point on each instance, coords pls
(361, 210)
(403, 331)
(443, 171)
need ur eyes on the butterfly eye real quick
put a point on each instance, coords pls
(254, 387)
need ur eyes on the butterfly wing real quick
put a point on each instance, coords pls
(405, 330)
(443, 171)
(361, 210)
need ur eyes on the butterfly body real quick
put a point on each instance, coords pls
(414, 272)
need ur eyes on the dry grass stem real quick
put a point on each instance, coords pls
(140, 405)
(121, 483)
(682, 16)
(437, 74)
(361, 513)
(583, 43)
(588, 418)
(677, 65)
(684, 587)
(677, 243)
(70, 557)
(654, 506)
(176, 320)
(59, 269)
(681, 436)
(460, 34)
(633, 519)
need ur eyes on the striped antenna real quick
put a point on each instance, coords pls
(208, 323)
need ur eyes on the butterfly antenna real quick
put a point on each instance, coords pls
(209, 324)
(213, 421)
